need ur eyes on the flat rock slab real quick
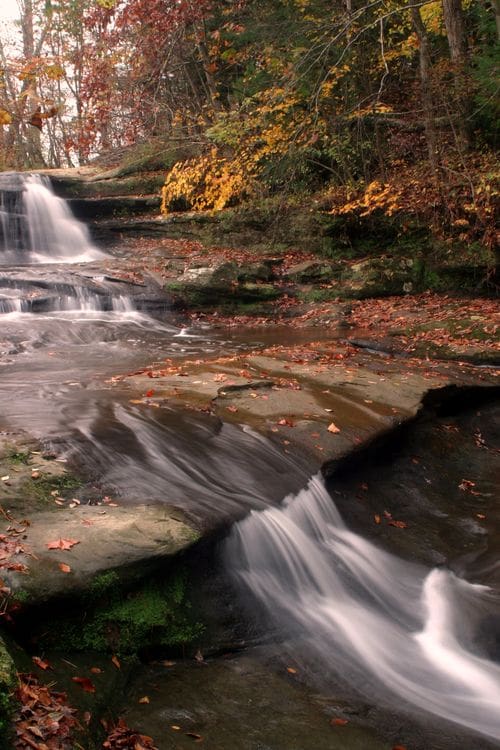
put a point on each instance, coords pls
(320, 412)
(99, 540)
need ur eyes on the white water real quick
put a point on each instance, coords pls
(382, 623)
(38, 227)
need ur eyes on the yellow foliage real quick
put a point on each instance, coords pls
(5, 117)
(207, 182)
(377, 196)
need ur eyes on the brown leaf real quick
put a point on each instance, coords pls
(85, 684)
(62, 544)
(377, 518)
(41, 663)
(116, 662)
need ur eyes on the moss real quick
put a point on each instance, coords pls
(43, 487)
(319, 295)
(7, 685)
(104, 582)
(158, 615)
(19, 457)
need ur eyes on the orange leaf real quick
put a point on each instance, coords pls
(62, 544)
(333, 428)
(144, 699)
(398, 524)
(338, 722)
(377, 518)
(41, 663)
(291, 670)
(116, 662)
(64, 568)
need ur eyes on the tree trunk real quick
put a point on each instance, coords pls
(457, 42)
(425, 85)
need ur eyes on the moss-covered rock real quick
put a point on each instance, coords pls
(222, 284)
(378, 276)
(7, 685)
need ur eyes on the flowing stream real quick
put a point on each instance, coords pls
(384, 623)
(387, 625)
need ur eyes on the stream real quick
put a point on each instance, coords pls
(376, 623)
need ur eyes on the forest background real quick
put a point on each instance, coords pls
(376, 112)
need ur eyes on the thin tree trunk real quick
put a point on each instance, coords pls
(457, 42)
(425, 85)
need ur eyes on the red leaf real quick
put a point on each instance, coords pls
(64, 568)
(150, 393)
(338, 722)
(85, 684)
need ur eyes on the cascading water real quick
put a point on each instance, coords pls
(373, 618)
(38, 227)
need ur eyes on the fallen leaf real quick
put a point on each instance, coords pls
(116, 662)
(333, 428)
(95, 670)
(398, 524)
(64, 568)
(87, 716)
(199, 656)
(150, 393)
(62, 544)
(291, 670)
(144, 699)
(194, 736)
(338, 722)
(232, 409)
(175, 727)
(85, 684)
(377, 518)
(41, 663)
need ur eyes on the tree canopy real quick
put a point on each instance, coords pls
(379, 105)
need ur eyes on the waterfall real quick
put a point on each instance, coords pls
(38, 227)
(387, 625)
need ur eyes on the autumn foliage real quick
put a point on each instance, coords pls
(381, 109)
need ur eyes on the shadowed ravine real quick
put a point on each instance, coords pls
(389, 627)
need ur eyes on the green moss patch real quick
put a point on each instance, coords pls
(111, 619)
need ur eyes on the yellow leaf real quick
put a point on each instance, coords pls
(5, 117)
